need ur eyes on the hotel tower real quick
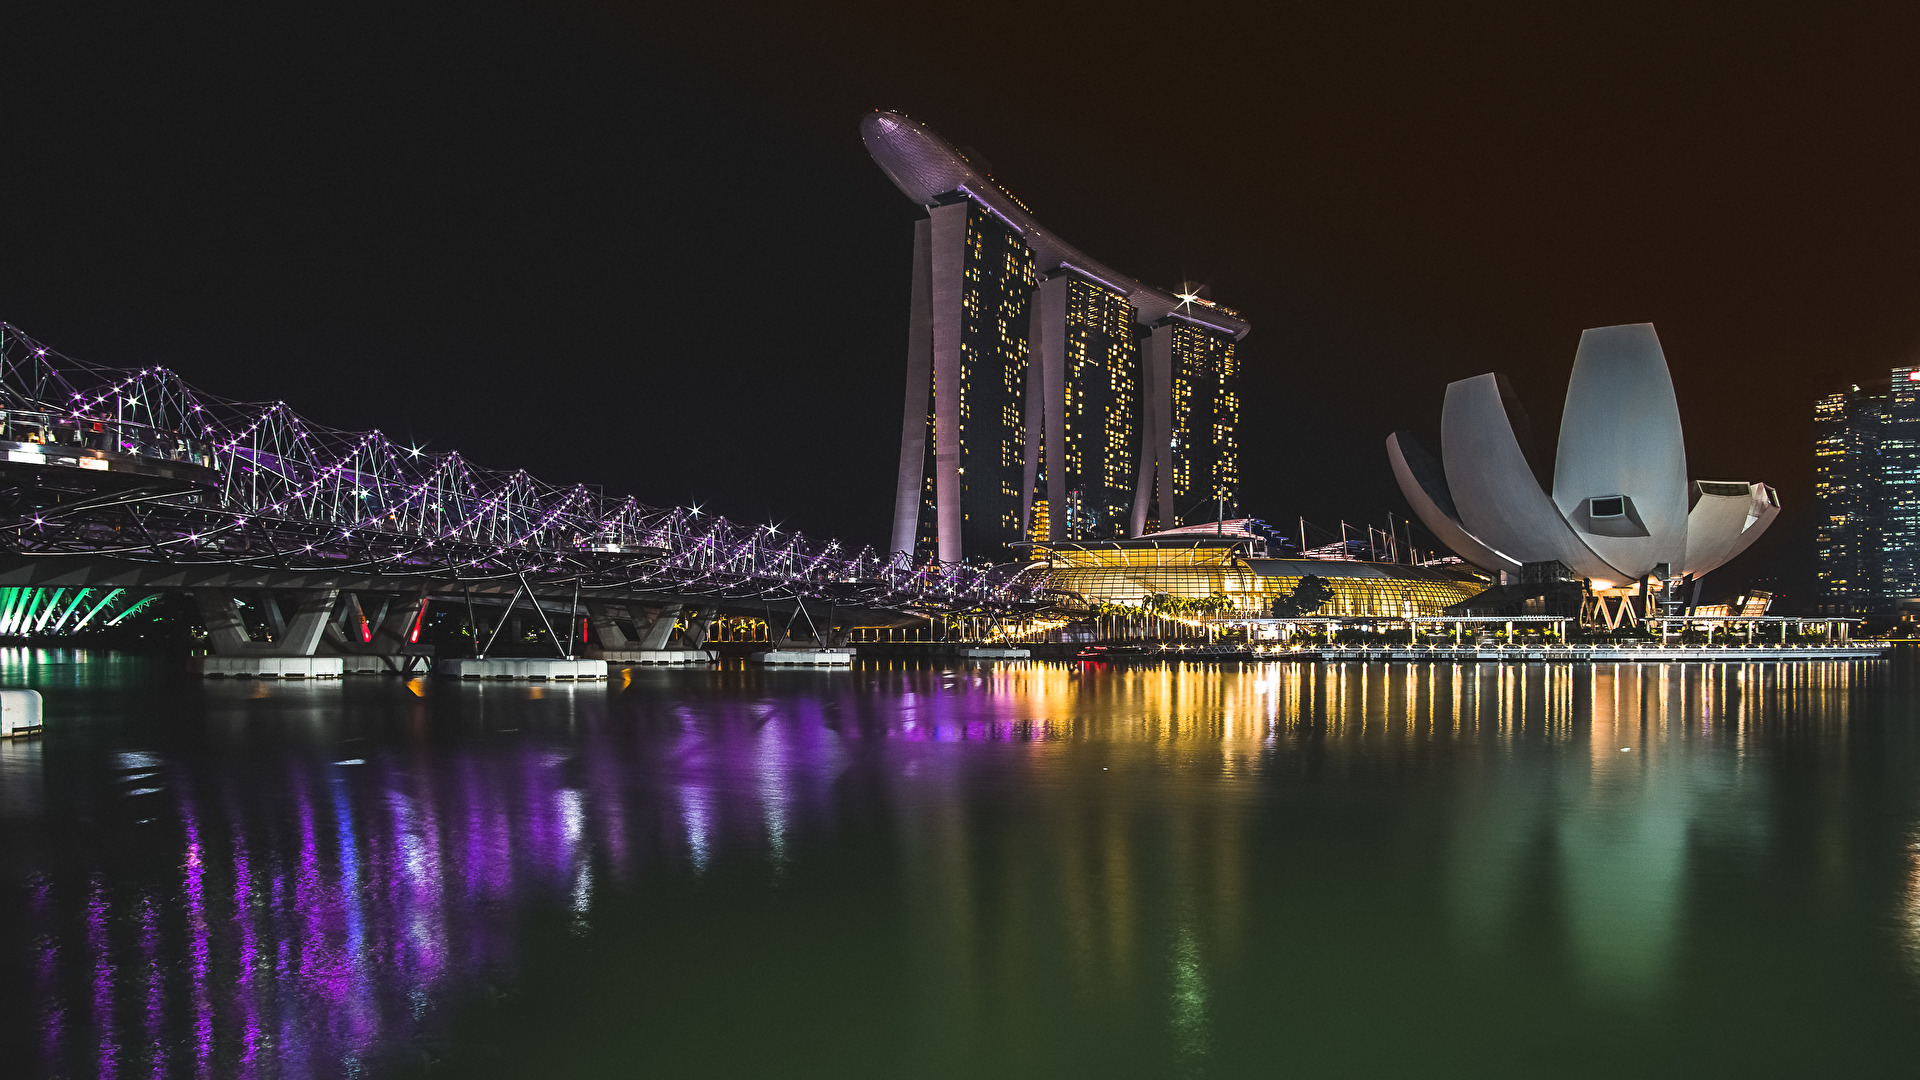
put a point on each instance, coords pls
(1049, 397)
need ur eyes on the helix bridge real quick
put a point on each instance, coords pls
(134, 480)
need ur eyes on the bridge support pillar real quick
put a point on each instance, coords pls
(606, 628)
(276, 620)
(658, 625)
(309, 620)
(395, 631)
(358, 619)
(227, 631)
(698, 625)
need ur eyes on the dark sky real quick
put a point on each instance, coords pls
(645, 248)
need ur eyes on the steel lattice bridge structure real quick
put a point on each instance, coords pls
(135, 480)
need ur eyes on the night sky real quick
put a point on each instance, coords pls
(646, 249)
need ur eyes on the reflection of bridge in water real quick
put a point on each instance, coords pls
(1127, 851)
(131, 479)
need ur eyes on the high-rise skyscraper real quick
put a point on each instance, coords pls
(1029, 413)
(1083, 411)
(1847, 486)
(1192, 471)
(973, 281)
(1899, 491)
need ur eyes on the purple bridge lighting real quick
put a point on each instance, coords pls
(133, 479)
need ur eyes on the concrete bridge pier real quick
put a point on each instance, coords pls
(699, 624)
(359, 620)
(220, 613)
(653, 625)
(393, 634)
(606, 627)
(289, 655)
(373, 634)
(388, 645)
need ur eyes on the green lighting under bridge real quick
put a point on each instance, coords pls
(44, 612)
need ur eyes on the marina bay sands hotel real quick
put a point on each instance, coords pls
(1049, 397)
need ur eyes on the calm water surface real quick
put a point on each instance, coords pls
(987, 871)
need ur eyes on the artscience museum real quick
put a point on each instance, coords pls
(1614, 508)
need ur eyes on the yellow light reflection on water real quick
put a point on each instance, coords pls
(1060, 836)
(1583, 775)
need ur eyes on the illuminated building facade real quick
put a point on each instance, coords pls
(1846, 492)
(1899, 489)
(1866, 475)
(1233, 565)
(1029, 414)
(1190, 464)
(961, 448)
(1083, 412)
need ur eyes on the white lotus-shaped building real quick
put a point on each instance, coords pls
(1617, 506)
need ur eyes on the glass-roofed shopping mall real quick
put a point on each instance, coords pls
(1225, 559)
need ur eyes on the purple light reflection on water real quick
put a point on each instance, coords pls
(771, 765)
(154, 1013)
(489, 842)
(604, 781)
(696, 813)
(108, 1063)
(361, 895)
(304, 936)
(1029, 886)
(538, 831)
(343, 980)
(421, 903)
(572, 811)
(249, 959)
(281, 923)
(53, 1012)
(193, 873)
